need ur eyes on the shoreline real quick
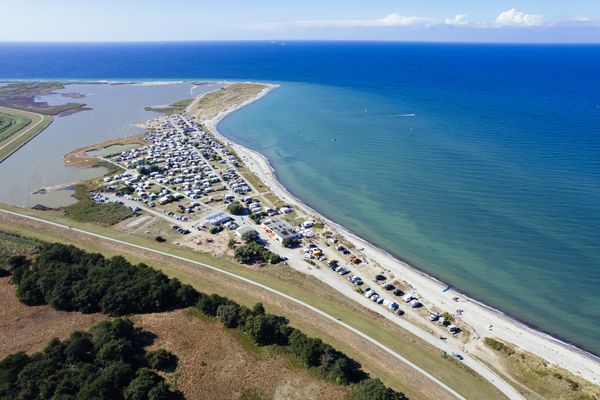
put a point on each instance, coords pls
(477, 314)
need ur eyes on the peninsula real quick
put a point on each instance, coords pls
(213, 211)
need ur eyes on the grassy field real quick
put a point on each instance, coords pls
(27, 132)
(299, 286)
(87, 210)
(10, 124)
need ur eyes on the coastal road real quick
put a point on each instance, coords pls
(36, 120)
(495, 380)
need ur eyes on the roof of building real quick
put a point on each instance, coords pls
(280, 228)
(218, 218)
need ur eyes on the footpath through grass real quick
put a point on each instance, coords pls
(294, 284)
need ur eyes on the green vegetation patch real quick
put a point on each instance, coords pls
(107, 362)
(545, 381)
(173, 108)
(87, 210)
(11, 124)
(22, 95)
(71, 279)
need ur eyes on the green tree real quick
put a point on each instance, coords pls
(307, 350)
(10, 367)
(236, 208)
(258, 308)
(139, 388)
(229, 315)
(161, 360)
(250, 236)
(266, 329)
(290, 242)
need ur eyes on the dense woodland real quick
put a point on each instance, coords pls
(107, 363)
(71, 279)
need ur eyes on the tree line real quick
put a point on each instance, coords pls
(267, 329)
(108, 362)
(71, 279)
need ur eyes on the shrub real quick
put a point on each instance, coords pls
(161, 360)
(498, 346)
(160, 239)
(448, 317)
(290, 242)
(374, 389)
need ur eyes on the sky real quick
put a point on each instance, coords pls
(554, 21)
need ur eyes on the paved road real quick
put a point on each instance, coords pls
(26, 130)
(497, 381)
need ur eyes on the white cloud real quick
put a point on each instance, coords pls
(458, 20)
(513, 17)
(582, 18)
(391, 20)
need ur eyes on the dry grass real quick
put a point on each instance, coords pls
(29, 329)
(214, 363)
(216, 101)
(538, 379)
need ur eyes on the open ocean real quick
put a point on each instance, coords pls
(479, 164)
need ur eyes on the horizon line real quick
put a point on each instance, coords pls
(175, 41)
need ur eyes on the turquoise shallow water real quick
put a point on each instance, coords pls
(493, 185)
(473, 200)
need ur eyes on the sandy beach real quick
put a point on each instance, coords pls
(477, 316)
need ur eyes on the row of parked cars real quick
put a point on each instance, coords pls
(373, 296)
(181, 230)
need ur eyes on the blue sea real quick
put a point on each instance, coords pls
(479, 164)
